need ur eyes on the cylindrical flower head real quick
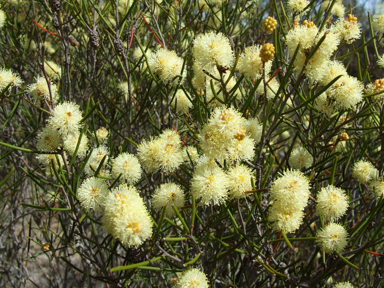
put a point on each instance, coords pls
(347, 92)
(181, 102)
(210, 185)
(332, 203)
(66, 118)
(166, 64)
(269, 25)
(52, 69)
(193, 278)
(48, 140)
(285, 218)
(3, 17)
(8, 77)
(300, 158)
(250, 63)
(126, 217)
(168, 194)
(378, 23)
(344, 285)
(40, 89)
(254, 129)
(102, 134)
(377, 186)
(364, 171)
(213, 49)
(267, 52)
(239, 179)
(70, 144)
(296, 6)
(292, 188)
(164, 152)
(332, 238)
(348, 28)
(95, 159)
(128, 166)
(190, 153)
(92, 194)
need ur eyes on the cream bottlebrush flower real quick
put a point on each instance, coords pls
(52, 69)
(297, 6)
(348, 28)
(128, 166)
(272, 88)
(291, 188)
(344, 285)
(168, 194)
(66, 118)
(332, 203)
(378, 23)
(124, 5)
(92, 194)
(123, 89)
(300, 158)
(208, 4)
(137, 54)
(95, 159)
(243, 148)
(193, 278)
(323, 105)
(181, 102)
(48, 140)
(364, 171)
(377, 186)
(40, 89)
(166, 64)
(210, 185)
(334, 69)
(338, 8)
(3, 18)
(305, 35)
(70, 144)
(284, 217)
(332, 238)
(102, 134)
(213, 49)
(218, 88)
(224, 136)
(376, 87)
(8, 77)
(254, 129)
(239, 179)
(347, 92)
(190, 153)
(199, 77)
(126, 217)
(48, 159)
(250, 63)
(164, 152)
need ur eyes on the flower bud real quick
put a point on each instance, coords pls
(267, 52)
(269, 25)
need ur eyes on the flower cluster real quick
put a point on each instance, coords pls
(289, 194)
(167, 65)
(163, 152)
(332, 203)
(225, 136)
(126, 217)
(332, 238)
